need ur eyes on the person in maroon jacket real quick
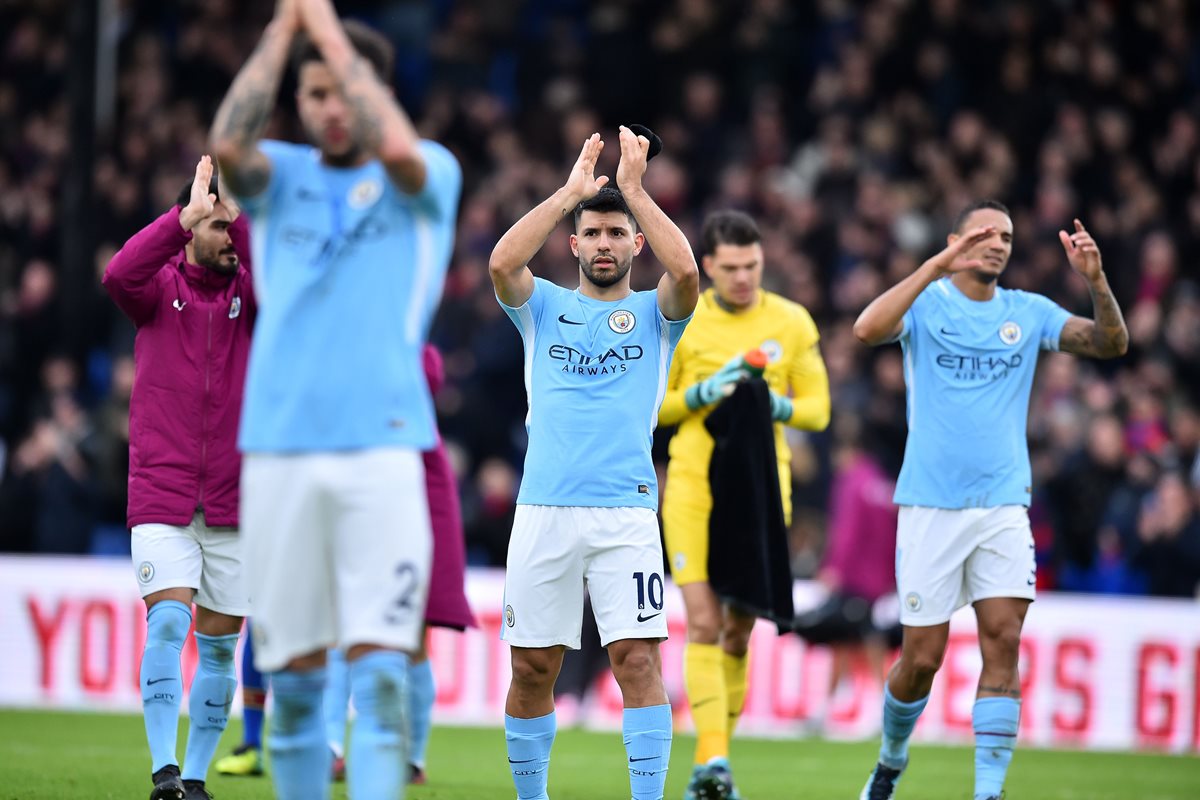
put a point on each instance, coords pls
(185, 282)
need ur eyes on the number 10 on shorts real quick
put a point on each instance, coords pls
(653, 588)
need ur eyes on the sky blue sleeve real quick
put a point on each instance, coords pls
(526, 317)
(443, 181)
(1054, 317)
(908, 322)
(675, 327)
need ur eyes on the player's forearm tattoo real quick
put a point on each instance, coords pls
(246, 109)
(1001, 690)
(363, 90)
(1110, 337)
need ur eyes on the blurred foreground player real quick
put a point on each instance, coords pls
(356, 233)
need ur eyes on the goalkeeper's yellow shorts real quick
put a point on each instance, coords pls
(685, 508)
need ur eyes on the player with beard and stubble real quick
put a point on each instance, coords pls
(963, 536)
(184, 280)
(596, 362)
(355, 233)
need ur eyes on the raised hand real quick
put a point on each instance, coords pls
(287, 15)
(201, 202)
(1082, 252)
(949, 262)
(583, 183)
(633, 160)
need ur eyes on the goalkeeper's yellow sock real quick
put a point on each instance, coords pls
(736, 684)
(704, 678)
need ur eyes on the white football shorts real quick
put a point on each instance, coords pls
(193, 556)
(949, 558)
(557, 551)
(338, 549)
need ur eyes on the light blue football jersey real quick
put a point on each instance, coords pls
(968, 369)
(348, 271)
(595, 375)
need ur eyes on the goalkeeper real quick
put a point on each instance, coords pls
(733, 317)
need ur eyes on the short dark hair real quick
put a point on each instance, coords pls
(368, 43)
(185, 194)
(979, 205)
(607, 199)
(728, 227)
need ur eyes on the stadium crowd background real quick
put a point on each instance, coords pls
(853, 131)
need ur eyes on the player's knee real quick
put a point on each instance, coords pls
(924, 663)
(704, 628)
(634, 663)
(532, 671)
(1002, 643)
(167, 623)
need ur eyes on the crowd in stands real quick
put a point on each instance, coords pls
(853, 132)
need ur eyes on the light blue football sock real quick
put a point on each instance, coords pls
(208, 703)
(899, 719)
(529, 742)
(647, 735)
(299, 753)
(376, 766)
(422, 691)
(995, 720)
(167, 625)
(337, 700)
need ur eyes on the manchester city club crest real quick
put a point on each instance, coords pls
(913, 601)
(509, 616)
(1010, 333)
(622, 321)
(145, 572)
(235, 308)
(365, 193)
(772, 349)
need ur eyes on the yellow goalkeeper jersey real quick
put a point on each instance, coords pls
(787, 334)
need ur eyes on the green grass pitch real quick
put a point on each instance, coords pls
(47, 756)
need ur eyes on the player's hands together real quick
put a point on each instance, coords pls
(949, 260)
(634, 150)
(583, 184)
(201, 202)
(1082, 252)
(781, 408)
(717, 386)
(287, 16)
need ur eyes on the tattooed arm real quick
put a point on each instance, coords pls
(1106, 336)
(380, 124)
(248, 104)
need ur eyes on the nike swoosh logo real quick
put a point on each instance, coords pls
(526, 761)
(705, 701)
(633, 760)
(178, 304)
(158, 680)
(647, 619)
(948, 333)
(563, 319)
(1031, 583)
(211, 704)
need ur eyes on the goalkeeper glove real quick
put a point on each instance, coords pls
(718, 386)
(781, 408)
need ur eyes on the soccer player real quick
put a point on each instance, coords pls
(355, 234)
(970, 349)
(596, 361)
(184, 282)
(734, 316)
